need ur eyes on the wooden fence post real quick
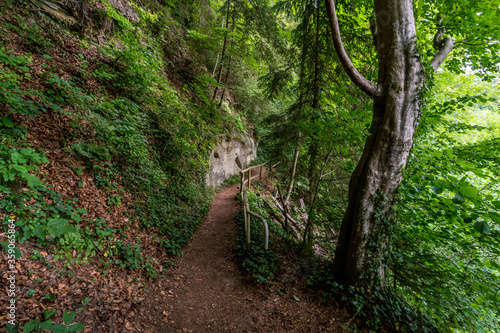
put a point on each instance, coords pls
(248, 230)
(242, 181)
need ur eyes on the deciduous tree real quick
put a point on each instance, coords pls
(397, 97)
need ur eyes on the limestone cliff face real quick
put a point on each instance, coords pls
(223, 159)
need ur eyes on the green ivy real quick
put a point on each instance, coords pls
(261, 264)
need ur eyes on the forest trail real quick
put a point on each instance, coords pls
(207, 292)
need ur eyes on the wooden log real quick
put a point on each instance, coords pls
(297, 224)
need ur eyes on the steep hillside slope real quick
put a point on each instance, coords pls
(107, 122)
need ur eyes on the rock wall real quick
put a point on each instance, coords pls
(86, 16)
(223, 159)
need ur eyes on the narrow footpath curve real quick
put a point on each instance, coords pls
(207, 292)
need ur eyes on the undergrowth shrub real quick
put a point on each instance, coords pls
(380, 308)
(134, 130)
(261, 264)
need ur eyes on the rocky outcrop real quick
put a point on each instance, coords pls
(65, 11)
(84, 15)
(223, 160)
(123, 7)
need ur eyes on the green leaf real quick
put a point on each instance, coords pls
(7, 122)
(21, 169)
(17, 253)
(12, 328)
(46, 325)
(48, 313)
(494, 217)
(482, 227)
(57, 227)
(76, 327)
(29, 326)
(46, 56)
(496, 204)
(85, 300)
(469, 192)
(68, 317)
(40, 233)
(31, 292)
(51, 296)
(58, 328)
(33, 181)
(76, 217)
(437, 189)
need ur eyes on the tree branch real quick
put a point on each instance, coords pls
(444, 47)
(470, 44)
(364, 84)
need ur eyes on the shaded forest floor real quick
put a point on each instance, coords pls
(204, 291)
(207, 291)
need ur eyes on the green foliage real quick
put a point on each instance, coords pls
(234, 179)
(68, 326)
(16, 71)
(380, 308)
(445, 257)
(16, 165)
(444, 262)
(260, 263)
(473, 27)
(130, 256)
(137, 131)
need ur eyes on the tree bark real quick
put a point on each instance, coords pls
(228, 67)
(313, 148)
(292, 173)
(219, 76)
(372, 188)
(225, 81)
(218, 52)
(358, 79)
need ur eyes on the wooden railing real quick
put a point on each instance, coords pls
(247, 213)
(249, 180)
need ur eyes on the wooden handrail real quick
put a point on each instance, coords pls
(249, 179)
(266, 228)
(246, 206)
(246, 181)
(255, 166)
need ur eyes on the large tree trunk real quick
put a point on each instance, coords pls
(359, 254)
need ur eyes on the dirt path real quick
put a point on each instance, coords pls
(207, 292)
